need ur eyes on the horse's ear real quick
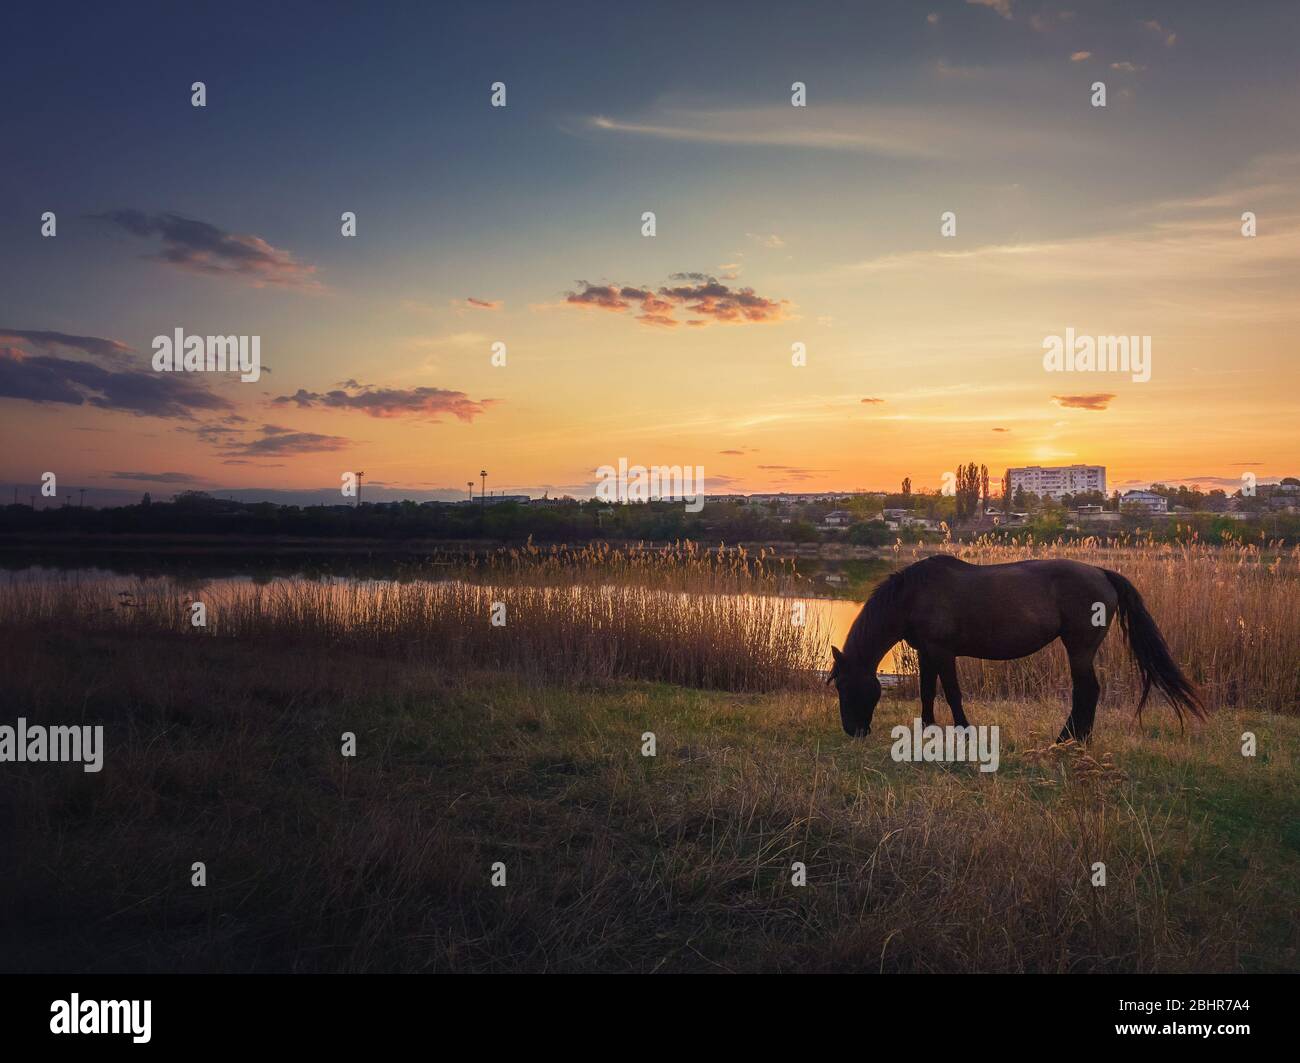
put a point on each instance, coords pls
(835, 652)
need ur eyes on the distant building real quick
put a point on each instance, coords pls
(798, 498)
(1053, 481)
(1148, 500)
(905, 518)
(838, 518)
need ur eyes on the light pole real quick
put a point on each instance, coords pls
(360, 476)
(482, 496)
(470, 485)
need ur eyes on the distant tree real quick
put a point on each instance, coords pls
(907, 487)
(802, 532)
(146, 500)
(967, 495)
(870, 533)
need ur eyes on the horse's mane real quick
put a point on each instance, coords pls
(876, 612)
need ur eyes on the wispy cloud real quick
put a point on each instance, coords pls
(424, 402)
(276, 439)
(832, 129)
(1167, 35)
(159, 477)
(1002, 7)
(104, 349)
(199, 247)
(1098, 401)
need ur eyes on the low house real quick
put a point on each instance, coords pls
(1147, 500)
(838, 518)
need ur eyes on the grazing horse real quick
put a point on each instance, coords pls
(945, 608)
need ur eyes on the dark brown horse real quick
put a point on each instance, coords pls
(945, 608)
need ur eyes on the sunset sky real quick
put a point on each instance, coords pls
(776, 225)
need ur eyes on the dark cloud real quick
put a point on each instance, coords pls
(424, 402)
(221, 432)
(106, 350)
(47, 378)
(159, 477)
(703, 295)
(794, 472)
(1097, 401)
(873, 402)
(198, 247)
(276, 439)
(710, 298)
(603, 296)
(484, 304)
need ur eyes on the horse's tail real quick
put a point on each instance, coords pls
(1151, 652)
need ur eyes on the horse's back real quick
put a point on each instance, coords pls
(1001, 611)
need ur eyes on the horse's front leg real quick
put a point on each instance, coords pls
(929, 683)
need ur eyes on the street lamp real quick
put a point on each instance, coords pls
(482, 497)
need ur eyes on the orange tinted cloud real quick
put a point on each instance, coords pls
(1083, 402)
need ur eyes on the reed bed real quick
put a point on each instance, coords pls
(586, 630)
(685, 566)
(715, 618)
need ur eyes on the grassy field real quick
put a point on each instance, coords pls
(227, 751)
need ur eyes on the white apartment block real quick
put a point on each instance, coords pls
(1053, 481)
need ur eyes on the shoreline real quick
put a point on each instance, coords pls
(290, 545)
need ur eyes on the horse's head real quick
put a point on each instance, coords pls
(859, 691)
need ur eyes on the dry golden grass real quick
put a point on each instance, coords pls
(595, 625)
(681, 614)
(228, 752)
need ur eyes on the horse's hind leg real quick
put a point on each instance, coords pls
(951, 691)
(1086, 692)
(929, 682)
